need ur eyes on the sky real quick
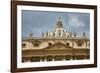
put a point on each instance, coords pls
(37, 22)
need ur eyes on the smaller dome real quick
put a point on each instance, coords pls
(59, 24)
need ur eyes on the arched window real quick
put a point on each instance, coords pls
(67, 57)
(36, 43)
(58, 58)
(79, 43)
(35, 59)
(49, 58)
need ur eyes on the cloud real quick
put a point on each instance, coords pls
(74, 21)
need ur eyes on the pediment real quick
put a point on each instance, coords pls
(57, 45)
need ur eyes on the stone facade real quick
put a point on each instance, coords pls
(55, 46)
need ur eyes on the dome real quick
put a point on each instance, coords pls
(59, 24)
